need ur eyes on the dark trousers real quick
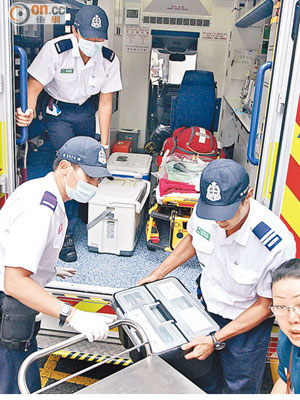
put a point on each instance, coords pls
(10, 362)
(239, 368)
(74, 120)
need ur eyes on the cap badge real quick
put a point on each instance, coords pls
(96, 22)
(213, 192)
(102, 156)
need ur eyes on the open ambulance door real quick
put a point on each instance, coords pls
(278, 182)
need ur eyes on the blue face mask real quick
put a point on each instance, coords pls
(90, 49)
(83, 192)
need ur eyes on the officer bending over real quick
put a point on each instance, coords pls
(33, 223)
(286, 308)
(72, 69)
(238, 242)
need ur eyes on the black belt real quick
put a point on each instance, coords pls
(63, 103)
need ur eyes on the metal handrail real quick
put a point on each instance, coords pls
(69, 342)
(23, 90)
(255, 111)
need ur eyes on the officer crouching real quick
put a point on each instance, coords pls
(33, 223)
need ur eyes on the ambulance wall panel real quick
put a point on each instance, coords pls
(212, 54)
(114, 43)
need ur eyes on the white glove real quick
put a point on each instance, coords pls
(63, 272)
(94, 326)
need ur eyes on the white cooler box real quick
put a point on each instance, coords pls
(116, 215)
(130, 165)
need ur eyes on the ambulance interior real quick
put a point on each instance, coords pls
(156, 42)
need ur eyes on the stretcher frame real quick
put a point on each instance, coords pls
(176, 210)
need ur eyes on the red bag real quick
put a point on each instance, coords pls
(192, 141)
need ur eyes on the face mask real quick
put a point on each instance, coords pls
(83, 192)
(90, 49)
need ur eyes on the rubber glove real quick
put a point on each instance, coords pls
(63, 272)
(94, 326)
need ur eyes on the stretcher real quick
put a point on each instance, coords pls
(173, 199)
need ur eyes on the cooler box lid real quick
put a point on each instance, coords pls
(129, 162)
(169, 314)
(122, 192)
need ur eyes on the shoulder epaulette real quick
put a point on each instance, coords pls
(108, 54)
(63, 45)
(266, 235)
(49, 200)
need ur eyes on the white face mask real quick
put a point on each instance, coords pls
(90, 49)
(83, 192)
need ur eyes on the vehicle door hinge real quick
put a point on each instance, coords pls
(280, 103)
(3, 184)
(1, 83)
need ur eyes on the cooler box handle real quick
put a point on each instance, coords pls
(139, 205)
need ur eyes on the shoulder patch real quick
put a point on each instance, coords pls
(63, 45)
(266, 235)
(49, 200)
(108, 54)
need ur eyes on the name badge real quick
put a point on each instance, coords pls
(203, 233)
(67, 71)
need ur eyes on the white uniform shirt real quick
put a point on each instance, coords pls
(31, 233)
(66, 78)
(237, 268)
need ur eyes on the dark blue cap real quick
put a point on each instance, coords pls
(223, 184)
(92, 22)
(87, 153)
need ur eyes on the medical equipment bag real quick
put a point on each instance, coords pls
(194, 140)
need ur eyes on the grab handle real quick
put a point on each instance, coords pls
(69, 342)
(255, 111)
(23, 90)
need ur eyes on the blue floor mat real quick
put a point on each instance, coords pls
(108, 269)
(120, 271)
(40, 162)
